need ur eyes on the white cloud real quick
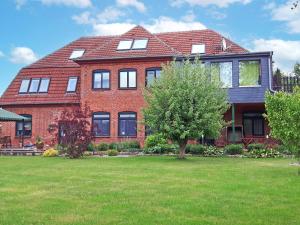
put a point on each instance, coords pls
(76, 3)
(284, 13)
(165, 24)
(189, 17)
(285, 52)
(22, 55)
(111, 28)
(140, 6)
(1, 54)
(162, 24)
(20, 3)
(219, 3)
(107, 15)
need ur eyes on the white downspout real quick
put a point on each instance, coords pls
(270, 74)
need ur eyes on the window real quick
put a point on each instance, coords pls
(24, 86)
(101, 124)
(140, 44)
(222, 72)
(124, 45)
(27, 125)
(34, 85)
(152, 74)
(72, 84)
(77, 53)
(127, 124)
(249, 73)
(44, 85)
(253, 124)
(198, 49)
(127, 79)
(101, 79)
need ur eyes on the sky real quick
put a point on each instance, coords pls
(32, 29)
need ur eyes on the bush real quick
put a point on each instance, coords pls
(265, 153)
(87, 153)
(234, 149)
(113, 145)
(91, 147)
(50, 153)
(162, 149)
(102, 147)
(212, 151)
(112, 152)
(283, 150)
(155, 140)
(255, 146)
(196, 149)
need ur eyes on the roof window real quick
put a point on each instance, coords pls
(77, 53)
(198, 49)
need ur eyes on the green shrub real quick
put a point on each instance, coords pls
(255, 146)
(102, 147)
(113, 145)
(87, 153)
(212, 151)
(91, 147)
(112, 152)
(196, 149)
(265, 153)
(283, 150)
(50, 153)
(162, 149)
(234, 149)
(155, 140)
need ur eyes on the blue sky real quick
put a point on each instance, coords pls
(31, 29)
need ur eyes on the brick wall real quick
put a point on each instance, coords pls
(115, 100)
(42, 116)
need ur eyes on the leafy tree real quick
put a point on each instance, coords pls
(72, 130)
(297, 69)
(283, 113)
(184, 104)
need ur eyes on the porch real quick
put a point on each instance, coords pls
(246, 124)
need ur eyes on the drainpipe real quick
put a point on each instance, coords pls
(271, 73)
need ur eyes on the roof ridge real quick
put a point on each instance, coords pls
(183, 31)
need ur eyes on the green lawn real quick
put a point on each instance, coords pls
(148, 190)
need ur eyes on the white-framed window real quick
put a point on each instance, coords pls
(24, 86)
(222, 72)
(44, 85)
(140, 44)
(34, 85)
(72, 84)
(125, 45)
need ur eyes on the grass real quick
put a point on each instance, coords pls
(148, 190)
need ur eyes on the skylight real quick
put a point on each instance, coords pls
(198, 49)
(77, 53)
(124, 45)
(140, 44)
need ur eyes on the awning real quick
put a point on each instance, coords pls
(10, 116)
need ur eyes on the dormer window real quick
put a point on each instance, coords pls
(77, 53)
(125, 45)
(198, 49)
(140, 44)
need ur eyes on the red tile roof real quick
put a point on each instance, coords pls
(59, 67)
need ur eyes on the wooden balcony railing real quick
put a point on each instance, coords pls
(286, 84)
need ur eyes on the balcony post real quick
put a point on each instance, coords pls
(233, 122)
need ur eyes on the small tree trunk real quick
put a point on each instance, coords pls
(182, 150)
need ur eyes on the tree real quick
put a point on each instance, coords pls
(277, 78)
(283, 114)
(72, 130)
(294, 5)
(184, 104)
(297, 69)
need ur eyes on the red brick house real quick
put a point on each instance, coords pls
(109, 73)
